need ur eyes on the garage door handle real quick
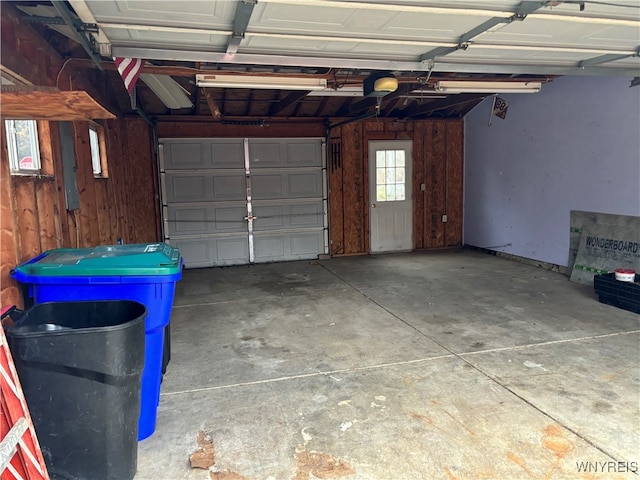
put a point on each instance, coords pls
(250, 218)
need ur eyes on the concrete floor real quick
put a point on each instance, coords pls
(441, 365)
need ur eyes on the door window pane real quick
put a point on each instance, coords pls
(391, 192)
(390, 175)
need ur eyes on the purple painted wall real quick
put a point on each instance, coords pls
(573, 146)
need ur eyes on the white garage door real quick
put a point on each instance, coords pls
(237, 201)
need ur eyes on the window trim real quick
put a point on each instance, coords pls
(12, 148)
(102, 150)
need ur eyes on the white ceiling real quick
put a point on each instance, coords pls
(406, 35)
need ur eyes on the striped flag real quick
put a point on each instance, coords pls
(129, 69)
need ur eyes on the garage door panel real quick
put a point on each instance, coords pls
(206, 200)
(206, 219)
(306, 215)
(268, 217)
(265, 154)
(210, 251)
(188, 221)
(195, 252)
(305, 184)
(227, 154)
(273, 247)
(188, 187)
(266, 186)
(288, 215)
(229, 187)
(282, 153)
(205, 186)
(186, 155)
(304, 154)
(232, 251)
(286, 184)
(230, 219)
(305, 245)
(269, 248)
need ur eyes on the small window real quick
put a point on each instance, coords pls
(22, 146)
(98, 158)
(390, 176)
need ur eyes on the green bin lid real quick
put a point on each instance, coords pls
(122, 260)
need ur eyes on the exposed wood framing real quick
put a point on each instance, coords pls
(257, 129)
(48, 105)
(437, 163)
(34, 218)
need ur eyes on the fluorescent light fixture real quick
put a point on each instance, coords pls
(167, 90)
(265, 82)
(340, 92)
(451, 86)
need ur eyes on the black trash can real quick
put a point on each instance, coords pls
(80, 366)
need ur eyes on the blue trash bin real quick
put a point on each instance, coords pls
(145, 273)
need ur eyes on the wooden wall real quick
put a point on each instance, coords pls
(125, 206)
(33, 214)
(438, 159)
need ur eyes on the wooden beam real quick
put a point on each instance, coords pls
(431, 107)
(45, 104)
(290, 99)
(213, 106)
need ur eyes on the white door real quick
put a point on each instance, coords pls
(390, 211)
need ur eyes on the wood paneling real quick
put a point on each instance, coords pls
(353, 188)
(88, 213)
(143, 195)
(8, 242)
(45, 193)
(47, 105)
(206, 128)
(34, 215)
(418, 180)
(455, 177)
(26, 212)
(437, 163)
(435, 172)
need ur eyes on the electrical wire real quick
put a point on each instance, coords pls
(61, 69)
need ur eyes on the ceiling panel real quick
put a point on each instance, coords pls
(166, 39)
(376, 31)
(352, 38)
(549, 32)
(201, 13)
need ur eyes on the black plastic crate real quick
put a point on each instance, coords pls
(624, 295)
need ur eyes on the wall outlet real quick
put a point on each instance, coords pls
(444, 218)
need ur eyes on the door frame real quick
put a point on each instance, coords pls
(406, 145)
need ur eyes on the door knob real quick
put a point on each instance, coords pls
(373, 205)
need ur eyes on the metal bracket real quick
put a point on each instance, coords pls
(79, 26)
(87, 43)
(518, 17)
